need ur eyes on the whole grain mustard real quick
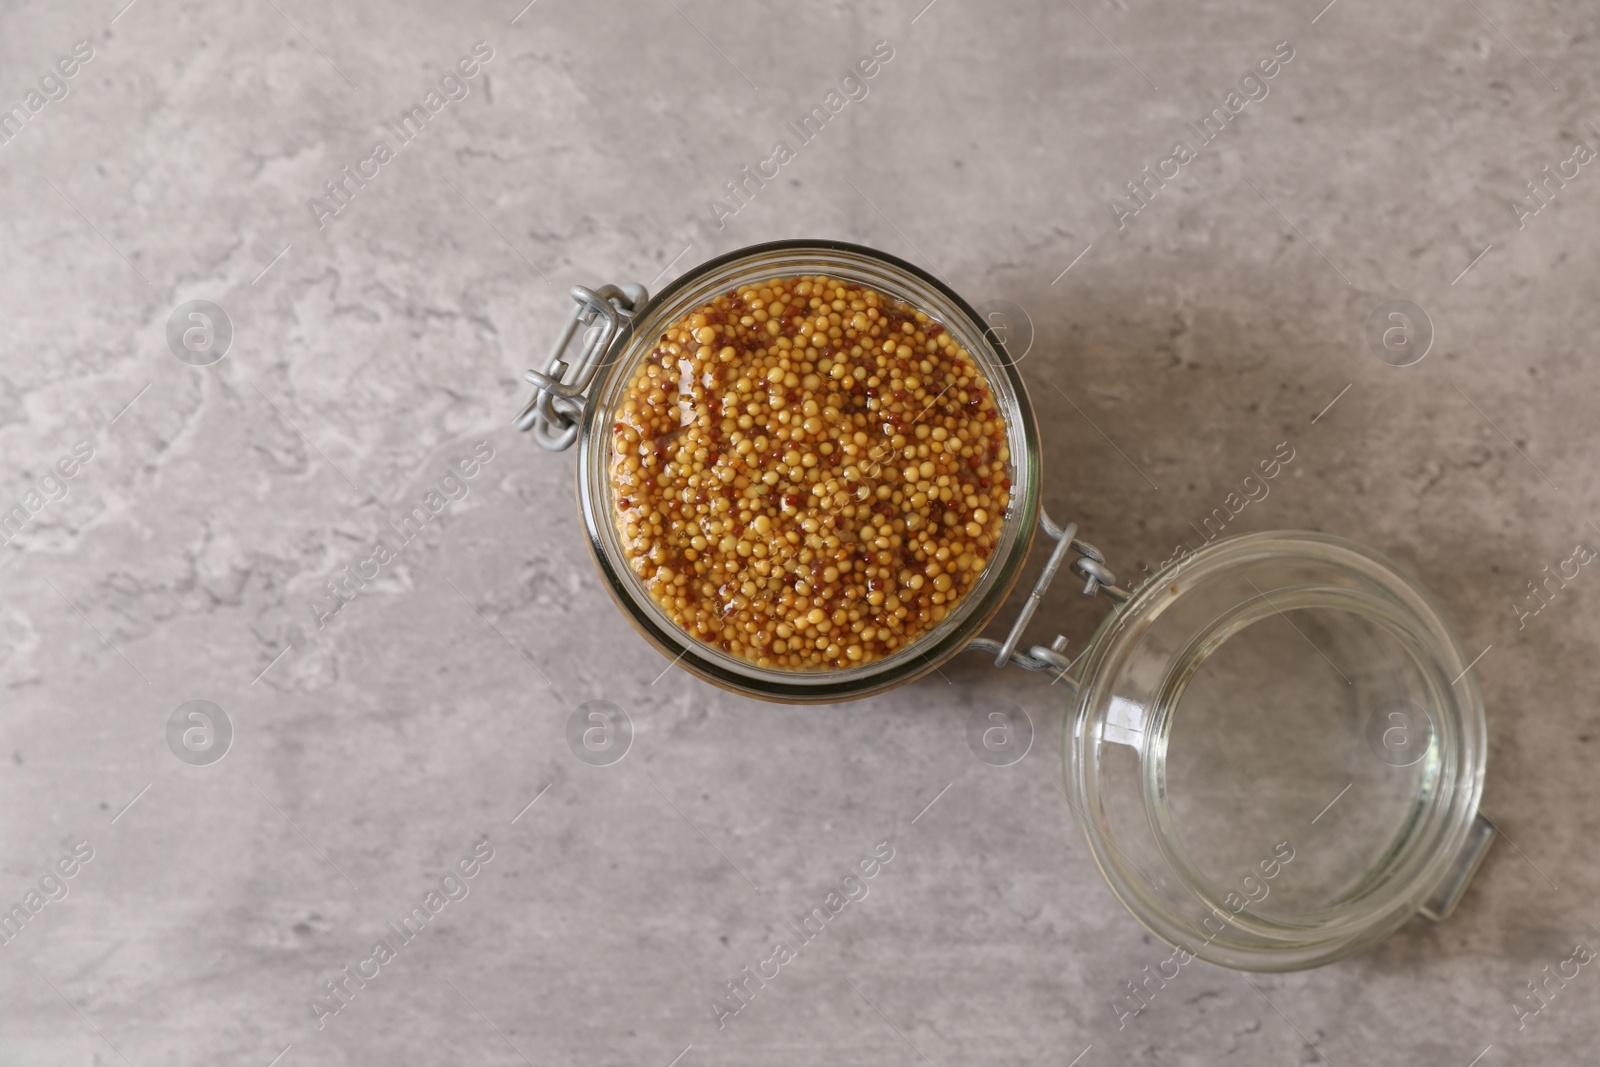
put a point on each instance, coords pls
(808, 474)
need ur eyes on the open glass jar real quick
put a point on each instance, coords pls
(1275, 747)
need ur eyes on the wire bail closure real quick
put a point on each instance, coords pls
(555, 409)
(1090, 565)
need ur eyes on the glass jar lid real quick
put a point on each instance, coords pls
(1277, 751)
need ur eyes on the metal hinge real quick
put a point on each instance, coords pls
(1090, 565)
(556, 407)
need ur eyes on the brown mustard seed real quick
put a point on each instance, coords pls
(808, 474)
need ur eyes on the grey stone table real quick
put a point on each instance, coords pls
(388, 201)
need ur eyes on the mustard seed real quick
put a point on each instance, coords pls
(808, 474)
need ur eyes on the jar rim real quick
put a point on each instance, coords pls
(895, 278)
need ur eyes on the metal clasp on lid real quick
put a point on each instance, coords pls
(1445, 898)
(1090, 566)
(554, 410)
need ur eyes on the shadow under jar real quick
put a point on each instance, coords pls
(1275, 745)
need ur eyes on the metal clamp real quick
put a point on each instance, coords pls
(554, 410)
(1090, 565)
(1438, 907)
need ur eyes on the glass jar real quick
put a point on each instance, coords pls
(1324, 782)
(893, 279)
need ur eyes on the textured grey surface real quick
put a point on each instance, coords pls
(419, 721)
